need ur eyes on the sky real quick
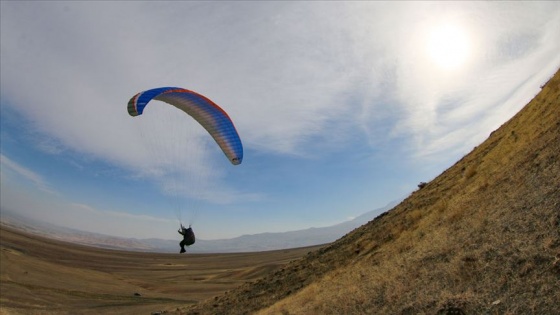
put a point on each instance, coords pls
(342, 107)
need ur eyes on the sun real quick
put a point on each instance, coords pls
(448, 46)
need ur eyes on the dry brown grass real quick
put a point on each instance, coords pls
(481, 238)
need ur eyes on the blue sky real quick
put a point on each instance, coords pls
(342, 107)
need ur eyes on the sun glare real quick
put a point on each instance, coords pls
(448, 46)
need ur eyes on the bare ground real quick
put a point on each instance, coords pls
(44, 276)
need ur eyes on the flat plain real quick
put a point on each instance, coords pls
(45, 276)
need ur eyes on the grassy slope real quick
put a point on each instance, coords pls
(481, 238)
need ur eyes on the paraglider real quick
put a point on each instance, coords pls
(209, 115)
(213, 118)
(188, 237)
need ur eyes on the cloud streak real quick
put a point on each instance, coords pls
(7, 165)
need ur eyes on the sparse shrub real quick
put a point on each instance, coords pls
(470, 171)
(556, 264)
(483, 186)
(414, 215)
(440, 206)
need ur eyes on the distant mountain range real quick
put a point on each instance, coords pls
(272, 241)
(244, 243)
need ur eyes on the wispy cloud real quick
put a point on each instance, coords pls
(25, 173)
(283, 86)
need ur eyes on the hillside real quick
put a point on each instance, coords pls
(481, 238)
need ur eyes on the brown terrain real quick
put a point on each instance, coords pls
(46, 276)
(481, 238)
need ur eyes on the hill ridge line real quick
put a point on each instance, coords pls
(472, 238)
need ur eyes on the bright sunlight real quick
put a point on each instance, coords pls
(448, 46)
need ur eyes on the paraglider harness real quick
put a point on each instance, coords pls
(188, 237)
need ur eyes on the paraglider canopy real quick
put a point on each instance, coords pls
(212, 117)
